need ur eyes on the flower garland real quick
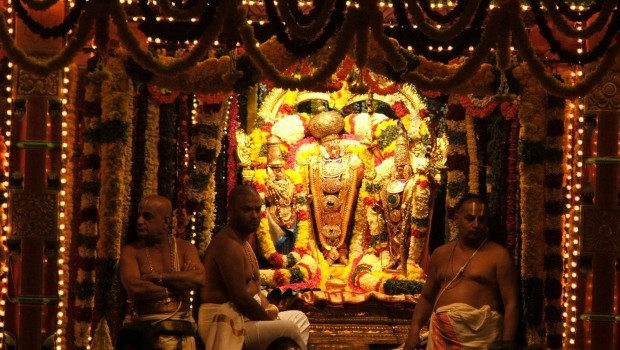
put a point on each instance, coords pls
(151, 141)
(374, 86)
(531, 167)
(457, 163)
(205, 146)
(166, 150)
(512, 182)
(182, 166)
(116, 110)
(88, 230)
(56, 31)
(472, 152)
(554, 209)
(233, 125)
(420, 219)
(480, 108)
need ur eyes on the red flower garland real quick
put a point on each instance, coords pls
(478, 112)
(233, 125)
(374, 86)
(512, 182)
(211, 99)
(400, 109)
(509, 109)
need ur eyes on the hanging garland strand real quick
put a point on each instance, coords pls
(88, 229)
(301, 47)
(554, 210)
(323, 73)
(456, 12)
(301, 17)
(40, 5)
(162, 29)
(56, 31)
(443, 34)
(115, 131)
(64, 57)
(567, 28)
(461, 38)
(579, 15)
(471, 64)
(184, 12)
(148, 61)
(310, 31)
(565, 55)
(539, 70)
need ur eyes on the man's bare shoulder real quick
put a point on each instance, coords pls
(130, 249)
(443, 249)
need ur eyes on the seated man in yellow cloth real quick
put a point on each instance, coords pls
(234, 313)
(471, 293)
(158, 273)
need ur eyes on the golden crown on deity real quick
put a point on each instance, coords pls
(274, 154)
(326, 125)
(401, 151)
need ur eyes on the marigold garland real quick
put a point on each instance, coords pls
(88, 230)
(531, 168)
(151, 140)
(472, 152)
(205, 145)
(116, 110)
(457, 163)
(554, 209)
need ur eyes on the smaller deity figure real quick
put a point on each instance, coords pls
(279, 195)
(334, 177)
(396, 198)
(244, 153)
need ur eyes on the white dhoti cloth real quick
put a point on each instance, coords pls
(460, 326)
(222, 327)
(169, 342)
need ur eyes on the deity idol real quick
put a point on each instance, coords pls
(335, 177)
(397, 201)
(279, 195)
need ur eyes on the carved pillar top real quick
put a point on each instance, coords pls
(605, 96)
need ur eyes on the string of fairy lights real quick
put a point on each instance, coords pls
(574, 120)
(5, 194)
(64, 225)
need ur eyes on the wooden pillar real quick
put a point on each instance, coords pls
(33, 191)
(600, 233)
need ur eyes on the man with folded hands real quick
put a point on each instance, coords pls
(158, 272)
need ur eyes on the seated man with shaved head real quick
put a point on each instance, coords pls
(234, 313)
(158, 272)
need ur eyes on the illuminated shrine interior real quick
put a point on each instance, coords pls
(360, 124)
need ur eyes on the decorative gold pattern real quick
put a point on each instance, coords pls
(30, 84)
(600, 232)
(33, 214)
(605, 96)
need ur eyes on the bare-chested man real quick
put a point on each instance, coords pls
(233, 310)
(158, 272)
(471, 291)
